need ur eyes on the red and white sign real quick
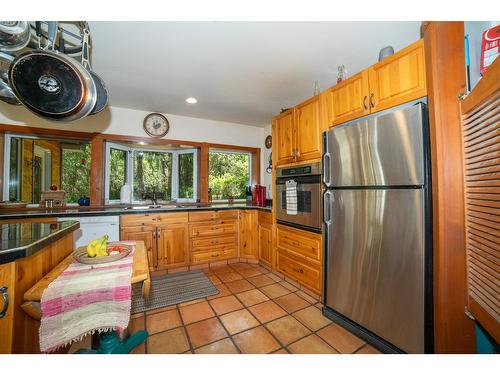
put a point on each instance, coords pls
(490, 47)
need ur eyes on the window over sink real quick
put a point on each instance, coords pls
(170, 172)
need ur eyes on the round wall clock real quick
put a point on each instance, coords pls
(156, 125)
(269, 141)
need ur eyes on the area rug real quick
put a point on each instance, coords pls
(172, 289)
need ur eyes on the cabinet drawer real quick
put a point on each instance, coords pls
(300, 270)
(300, 242)
(153, 218)
(214, 241)
(216, 229)
(213, 255)
(213, 215)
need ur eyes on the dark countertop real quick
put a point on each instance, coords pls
(74, 211)
(25, 239)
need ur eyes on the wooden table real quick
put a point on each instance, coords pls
(140, 274)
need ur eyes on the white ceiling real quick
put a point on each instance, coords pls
(242, 72)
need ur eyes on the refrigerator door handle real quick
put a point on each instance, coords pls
(327, 177)
(327, 215)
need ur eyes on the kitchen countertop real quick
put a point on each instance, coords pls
(24, 239)
(74, 211)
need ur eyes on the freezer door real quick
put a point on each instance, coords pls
(375, 262)
(386, 150)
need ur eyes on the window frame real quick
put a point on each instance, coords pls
(130, 171)
(6, 162)
(229, 151)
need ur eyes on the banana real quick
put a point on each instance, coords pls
(98, 247)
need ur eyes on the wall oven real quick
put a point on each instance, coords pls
(298, 196)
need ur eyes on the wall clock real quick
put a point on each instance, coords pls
(269, 141)
(156, 125)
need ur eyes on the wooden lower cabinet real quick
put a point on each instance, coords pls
(301, 270)
(265, 239)
(144, 233)
(248, 241)
(266, 245)
(299, 256)
(172, 245)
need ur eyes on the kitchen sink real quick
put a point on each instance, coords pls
(152, 207)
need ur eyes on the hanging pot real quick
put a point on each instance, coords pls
(102, 92)
(6, 93)
(53, 85)
(14, 35)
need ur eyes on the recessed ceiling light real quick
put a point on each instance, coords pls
(191, 100)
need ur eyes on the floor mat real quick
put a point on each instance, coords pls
(172, 289)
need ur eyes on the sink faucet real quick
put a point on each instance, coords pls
(153, 197)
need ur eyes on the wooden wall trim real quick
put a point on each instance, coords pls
(4, 128)
(444, 58)
(97, 169)
(203, 168)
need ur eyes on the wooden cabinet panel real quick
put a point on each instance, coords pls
(7, 280)
(303, 243)
(398, 78)
(285, 143)
(248, 225)
(217, 229)
(300, 270)
(145, 233)
(308, 130)
(214, 241)
(212, 215)
(172, 246)
(266, 244)
(154, 218)
(213, 255)
(349, 99)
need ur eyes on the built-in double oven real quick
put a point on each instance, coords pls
(298, 196)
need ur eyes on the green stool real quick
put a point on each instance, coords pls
(109, 343)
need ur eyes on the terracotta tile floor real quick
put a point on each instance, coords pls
(256, 311)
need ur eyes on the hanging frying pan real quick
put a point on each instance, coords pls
(14, 35)
(6, 93)
(102, 92)
(52, 85)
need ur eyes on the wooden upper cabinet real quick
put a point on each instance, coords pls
(284, 125)
(398, 78)
(349, 99)
(308, 130)
(173, 245)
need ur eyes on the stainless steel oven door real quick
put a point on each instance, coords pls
(308, 202)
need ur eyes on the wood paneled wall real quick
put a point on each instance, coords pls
(444, 55)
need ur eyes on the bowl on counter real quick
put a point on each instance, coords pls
(13, 204)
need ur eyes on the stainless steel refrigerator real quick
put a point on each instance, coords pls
(377, 216)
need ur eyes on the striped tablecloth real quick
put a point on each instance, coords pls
(85, 299)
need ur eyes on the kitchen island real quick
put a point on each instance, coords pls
(28, 251)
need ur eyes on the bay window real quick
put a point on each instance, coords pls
(170, 173)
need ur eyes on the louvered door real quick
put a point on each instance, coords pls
(481, 138)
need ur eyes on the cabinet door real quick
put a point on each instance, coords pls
(143, 233)
(173, 245)
(308, 130)
(285, 143)
(7, 322)
(248, 231)
(349, 99)
(265, 245)
(399, 78)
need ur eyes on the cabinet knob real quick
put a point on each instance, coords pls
(371, 100)
(5, 297)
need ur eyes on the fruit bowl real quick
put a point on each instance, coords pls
(82, 256)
